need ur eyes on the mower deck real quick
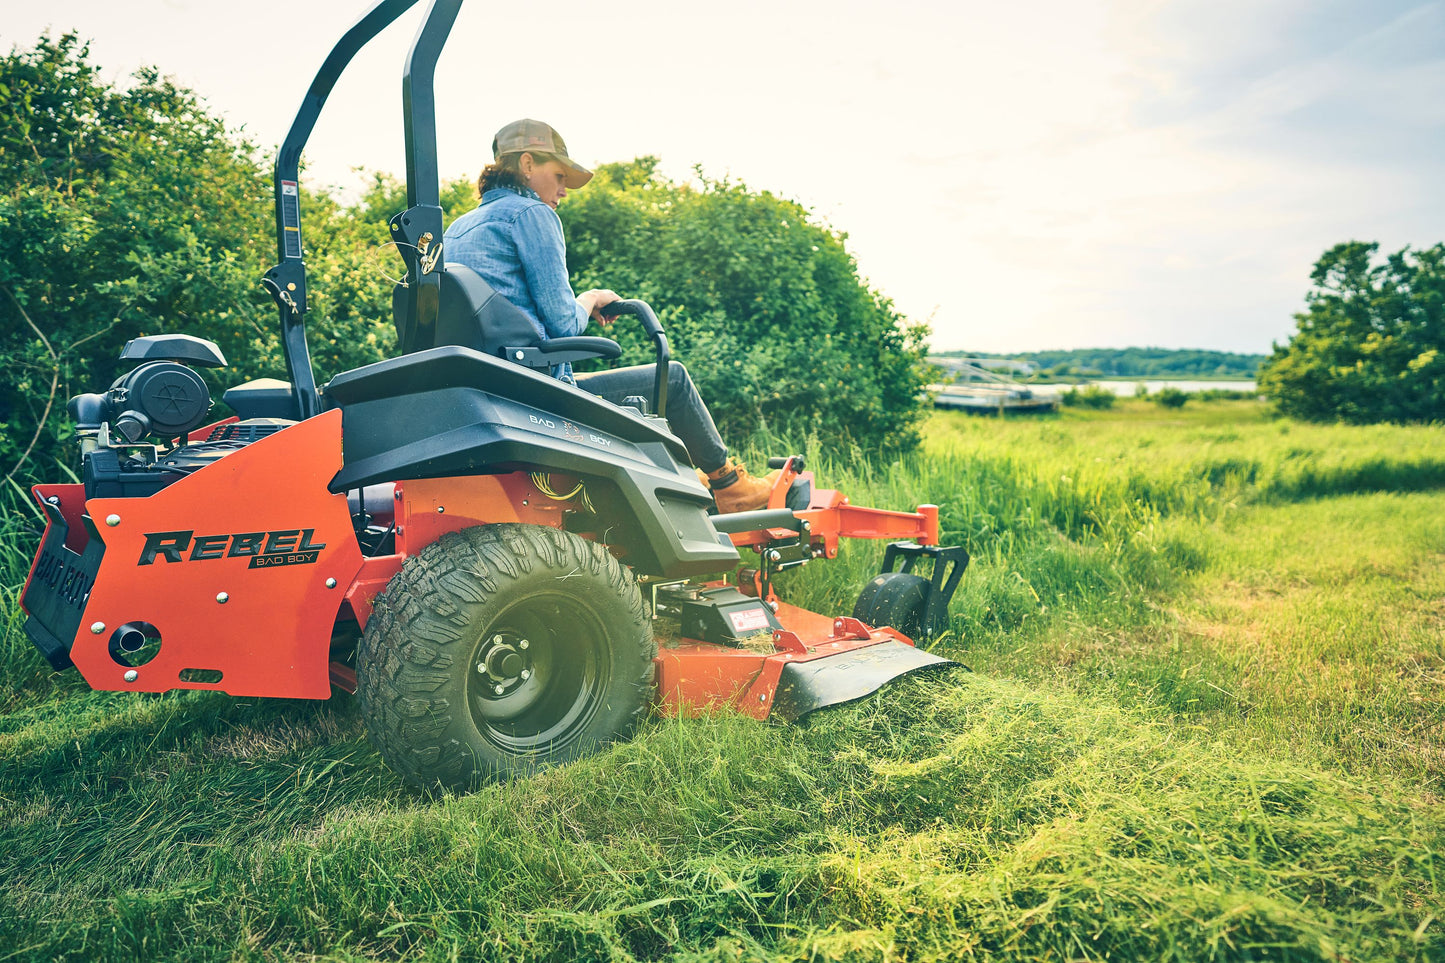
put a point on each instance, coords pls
(815, 662)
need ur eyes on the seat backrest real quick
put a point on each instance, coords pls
(471, 314)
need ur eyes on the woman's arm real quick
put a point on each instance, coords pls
(543, 253)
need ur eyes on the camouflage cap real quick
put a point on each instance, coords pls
(533, 135)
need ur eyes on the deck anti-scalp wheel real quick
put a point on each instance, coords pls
(896, 599)
(500, 650)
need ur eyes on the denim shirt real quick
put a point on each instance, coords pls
(514, 241)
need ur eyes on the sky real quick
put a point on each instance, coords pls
(1020, 176)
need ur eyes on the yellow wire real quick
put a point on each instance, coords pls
(543, 483)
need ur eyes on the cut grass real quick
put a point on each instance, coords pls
(961, 817)
(1205, 719)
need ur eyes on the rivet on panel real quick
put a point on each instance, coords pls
(97, 627)
(112, 520)
(441, 509)
(331, 583)
(131, 675)
(222, 597)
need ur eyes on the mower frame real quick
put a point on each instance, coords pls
(249, 555)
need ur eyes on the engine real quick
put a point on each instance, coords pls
(133, 437)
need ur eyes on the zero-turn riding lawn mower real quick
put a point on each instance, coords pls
(487, 556)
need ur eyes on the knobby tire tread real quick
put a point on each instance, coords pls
(410, 655)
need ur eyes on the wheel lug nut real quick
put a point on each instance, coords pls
(524, 644)
(496, 640)
(526, 673)
(500, 689)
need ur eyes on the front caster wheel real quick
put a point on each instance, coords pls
(500, 650)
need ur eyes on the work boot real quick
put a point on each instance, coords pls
(735, 490)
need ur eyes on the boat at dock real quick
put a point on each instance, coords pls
(975, 388)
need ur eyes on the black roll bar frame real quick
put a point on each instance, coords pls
(417, 231)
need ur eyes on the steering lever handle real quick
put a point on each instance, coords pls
(643, 312)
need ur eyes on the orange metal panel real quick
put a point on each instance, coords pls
(830, 517)
(204, 432)
(373, 578)
(172, 557)
(696, 677)
(431, 507)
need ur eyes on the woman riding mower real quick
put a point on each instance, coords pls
(513, 240)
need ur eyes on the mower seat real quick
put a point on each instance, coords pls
(472, 315)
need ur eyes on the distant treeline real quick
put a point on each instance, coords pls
(1131, 362)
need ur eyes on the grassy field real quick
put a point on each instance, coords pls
(1204, 722)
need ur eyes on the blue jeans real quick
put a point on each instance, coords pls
(686, 413)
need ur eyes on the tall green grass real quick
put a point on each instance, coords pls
(1088, 504)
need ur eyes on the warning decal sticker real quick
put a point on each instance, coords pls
(750, 620)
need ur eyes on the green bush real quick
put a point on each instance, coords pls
(122, 213)
(1089, 396)
(1169, 397)
(1225, 394)
(764, 305)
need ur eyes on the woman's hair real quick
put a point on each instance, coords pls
(506, 171)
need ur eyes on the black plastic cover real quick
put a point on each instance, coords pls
(114, 473)
(804, 687)
(262, 398)
(725, 616)
(472, 315)
(106, 477)
(59, 588)
(184, 348)
(452, 411)
(172, 397)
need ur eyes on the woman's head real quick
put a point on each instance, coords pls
(529, 153)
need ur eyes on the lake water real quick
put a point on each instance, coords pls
(1126, 389)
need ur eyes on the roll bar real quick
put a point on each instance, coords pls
(417, 230)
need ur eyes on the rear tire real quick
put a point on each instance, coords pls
(896, 599)
(500, 650)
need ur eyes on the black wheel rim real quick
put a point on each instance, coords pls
(537, 674)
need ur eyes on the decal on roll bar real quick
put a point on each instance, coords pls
(291, 217)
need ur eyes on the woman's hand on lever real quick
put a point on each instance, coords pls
(595, 300)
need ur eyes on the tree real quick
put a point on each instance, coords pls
(133, 211)
(764, 305)
(129, 212)
(122, 212)
(1371, 344)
